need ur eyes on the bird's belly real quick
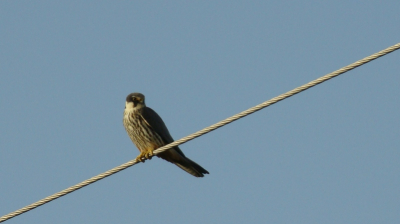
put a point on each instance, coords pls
(143, 135)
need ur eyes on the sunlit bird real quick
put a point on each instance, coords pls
(148, 132)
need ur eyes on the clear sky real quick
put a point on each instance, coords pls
(327, 155)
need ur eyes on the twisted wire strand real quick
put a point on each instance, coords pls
(204, 131)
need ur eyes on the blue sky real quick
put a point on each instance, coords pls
(327, 155)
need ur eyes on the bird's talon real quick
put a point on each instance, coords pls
(139, 158)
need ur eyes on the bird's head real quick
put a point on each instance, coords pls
(134, 101)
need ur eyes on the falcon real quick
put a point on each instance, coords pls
(148, 132)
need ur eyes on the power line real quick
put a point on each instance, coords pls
(204, 131)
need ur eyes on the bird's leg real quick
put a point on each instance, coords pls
(149, 153)
(139, 158)
(145, 154)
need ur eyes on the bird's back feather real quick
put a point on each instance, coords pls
(175, 155)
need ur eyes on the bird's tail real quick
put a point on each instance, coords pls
(191, 167)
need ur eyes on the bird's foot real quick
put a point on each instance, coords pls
(139, 158)
(149, 154)
(144, 155)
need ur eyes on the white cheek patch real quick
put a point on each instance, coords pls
(128, 106)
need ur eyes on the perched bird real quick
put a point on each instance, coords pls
(148, 132)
